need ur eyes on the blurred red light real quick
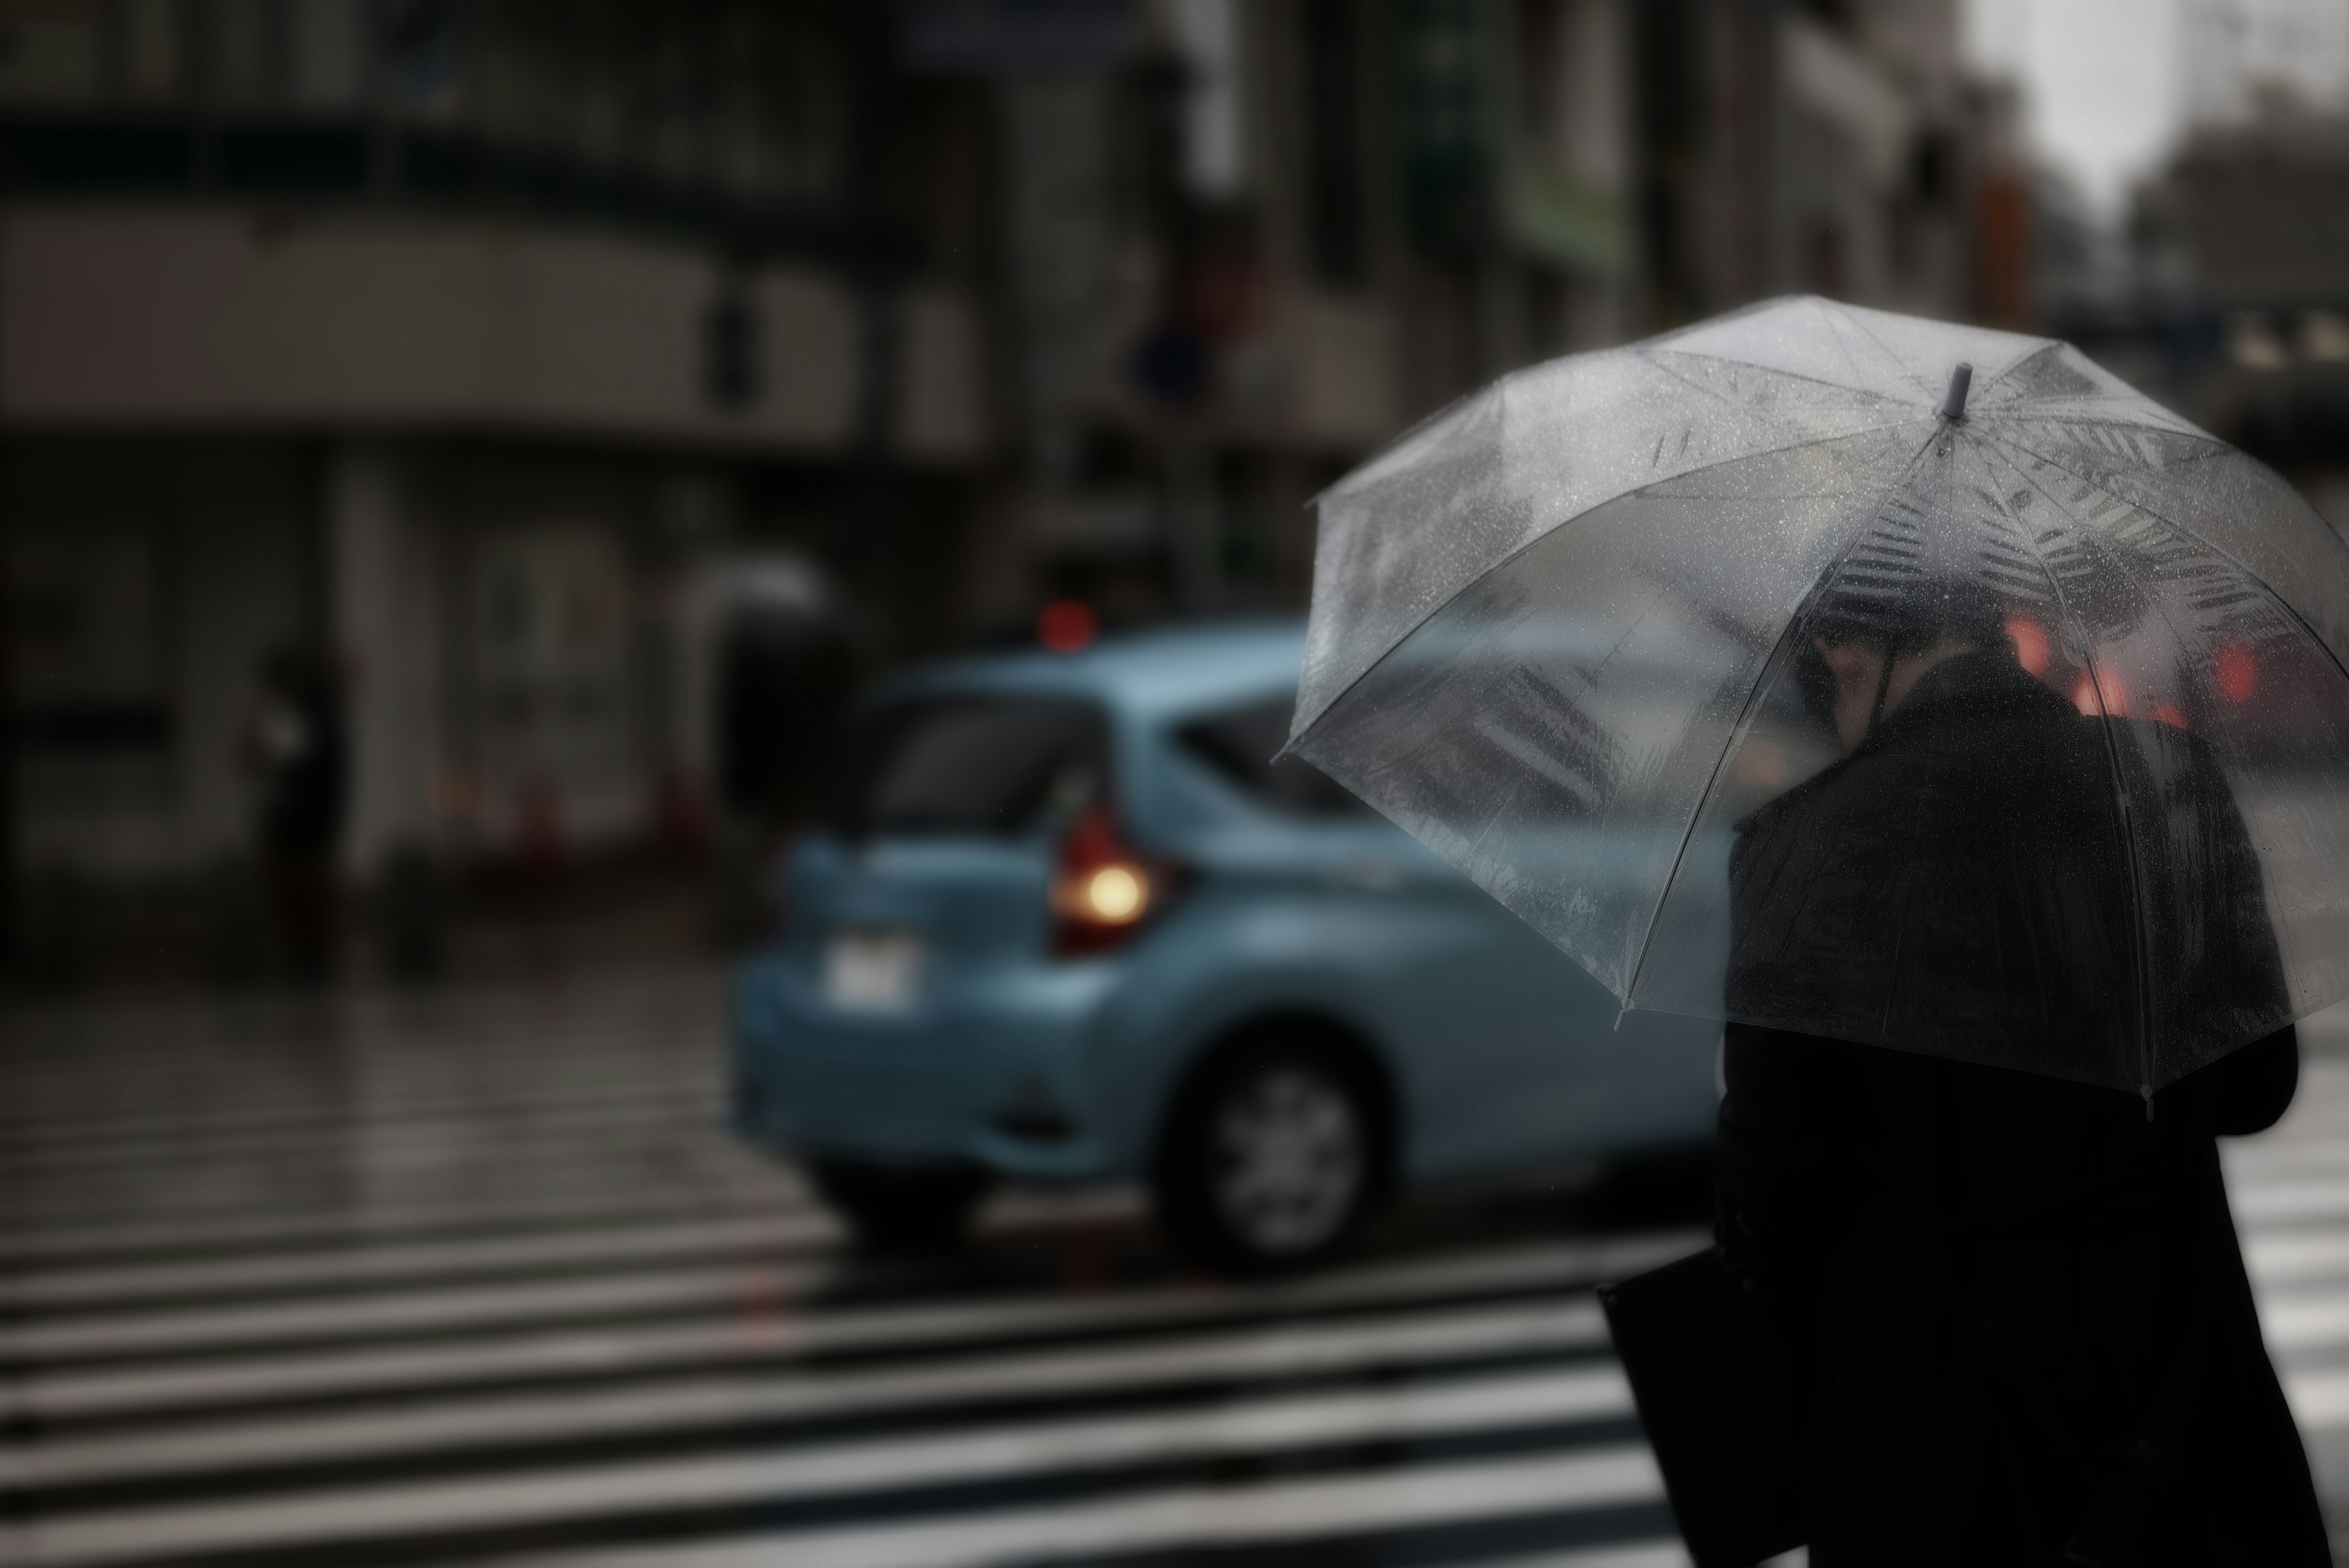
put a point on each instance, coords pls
(2172, 714)
(2100, 694)
(2030, 639)
(2239, 676)
(1066, 626)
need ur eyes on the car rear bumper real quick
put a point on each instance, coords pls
(993, 1070)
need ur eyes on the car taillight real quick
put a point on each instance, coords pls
(1102, 889)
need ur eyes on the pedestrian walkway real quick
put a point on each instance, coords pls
(378, 1282)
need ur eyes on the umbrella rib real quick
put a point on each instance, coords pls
(2267, 594)
(2012, 366)
(1652, 354)
(2046, 346)
(2092, 542)
(1655, 356)
(1744, 717)
(2219, 550)
(2010, 415)
(1885, 349)
(2117, 779)
(1446, 602)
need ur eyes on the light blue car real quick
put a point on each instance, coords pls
(1066, 924)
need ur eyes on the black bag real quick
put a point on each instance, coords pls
(1717, 1396)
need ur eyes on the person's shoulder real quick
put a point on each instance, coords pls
(1790, 802)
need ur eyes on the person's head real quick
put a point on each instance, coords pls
(1861, 652)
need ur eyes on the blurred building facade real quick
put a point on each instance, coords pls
(458, 338)
(510, 347)
(2241, 242)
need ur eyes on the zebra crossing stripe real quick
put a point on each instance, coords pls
(768, 1411)
(414, 1313)
(2284, 1258)
(2299, 1323)
(1663, 1554)
(2281, 1203)
(2319, 1397)
(252, 1386)
(89, 1292)
(642, 1107)
(274, 1233)
(686, 1368)
(827, 1477)
(1205, 1516)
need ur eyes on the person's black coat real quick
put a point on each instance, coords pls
(1963, 883)
(2015, 1304)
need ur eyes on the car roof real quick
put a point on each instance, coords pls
(1163, 672)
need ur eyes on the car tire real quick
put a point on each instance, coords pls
(1274, 1157)
(901, 1208)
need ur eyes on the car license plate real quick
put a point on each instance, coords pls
(871, 972)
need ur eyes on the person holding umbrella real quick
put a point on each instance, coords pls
(1976, 747)
(2015, 1312)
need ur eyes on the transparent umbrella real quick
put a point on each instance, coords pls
(1781, 669)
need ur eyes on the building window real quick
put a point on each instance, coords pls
(1446, 95)
(148, 48)
(327, 53)
(1540, 106)
(1333, 172)
(47, 54)
(552, 656)
(91, 724)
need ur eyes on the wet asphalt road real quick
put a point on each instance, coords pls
(478, 1276)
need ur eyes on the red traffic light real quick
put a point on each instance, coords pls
(1066, 626)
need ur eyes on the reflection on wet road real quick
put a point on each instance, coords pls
(479, 1275)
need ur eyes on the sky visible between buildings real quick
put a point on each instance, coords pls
(2110, 85)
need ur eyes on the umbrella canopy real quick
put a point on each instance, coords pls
(1775, 673)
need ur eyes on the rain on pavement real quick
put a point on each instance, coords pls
(480, 1274)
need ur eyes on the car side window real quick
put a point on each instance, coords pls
(1239, 743)
(969, 764)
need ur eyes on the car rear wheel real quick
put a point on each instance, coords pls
(1272, 1161)
(900, 1208)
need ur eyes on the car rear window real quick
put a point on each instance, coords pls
(1239, 744)
(970, 765)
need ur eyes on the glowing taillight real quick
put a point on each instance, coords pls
(1101, 891)
(2099, 694)
(2029, 641)
(1114, 895)
(2238, 673)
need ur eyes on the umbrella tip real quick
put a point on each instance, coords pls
(1953, 406)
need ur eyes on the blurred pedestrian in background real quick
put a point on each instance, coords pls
(297, 749)
(2014, 1307)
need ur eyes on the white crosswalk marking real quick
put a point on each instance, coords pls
(659, 1349)
(1201, 1516)
(1382, 1415)
(1255, 1353)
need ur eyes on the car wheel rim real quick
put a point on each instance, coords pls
(1287, 1160)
